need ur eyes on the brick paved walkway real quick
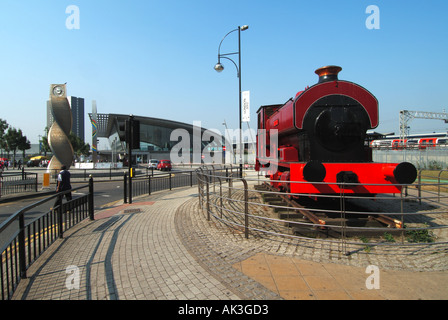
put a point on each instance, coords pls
(161, 247)
(129, 252)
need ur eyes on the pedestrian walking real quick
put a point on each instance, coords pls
(63, 185)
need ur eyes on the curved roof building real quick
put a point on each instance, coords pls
(155, 135)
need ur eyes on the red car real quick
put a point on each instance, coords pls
(164, 165)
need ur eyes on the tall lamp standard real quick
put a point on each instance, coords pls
(219, 68)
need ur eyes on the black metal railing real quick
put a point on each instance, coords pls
(145, 185)
(23, 242)
(12, 183)
(84, 174)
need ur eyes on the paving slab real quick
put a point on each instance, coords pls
(162, 247)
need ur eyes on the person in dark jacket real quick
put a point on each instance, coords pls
(63, 185)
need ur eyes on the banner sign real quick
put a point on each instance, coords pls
(246, 106)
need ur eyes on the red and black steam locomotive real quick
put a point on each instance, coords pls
(322, 141)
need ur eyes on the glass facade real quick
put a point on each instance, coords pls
(155, 140)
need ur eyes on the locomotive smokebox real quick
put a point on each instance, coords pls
(328, 73)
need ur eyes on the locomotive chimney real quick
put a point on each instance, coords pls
(328, 73)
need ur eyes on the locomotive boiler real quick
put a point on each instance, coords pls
(321, 144)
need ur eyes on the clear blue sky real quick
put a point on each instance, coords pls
(156, 58)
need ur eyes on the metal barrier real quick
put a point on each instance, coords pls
(11, 183)
(84, 174)
(151, 183)
(434, 175)
(348, 222)
(27, 241)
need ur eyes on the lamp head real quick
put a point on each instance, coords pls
(245, 27)
(219, 67)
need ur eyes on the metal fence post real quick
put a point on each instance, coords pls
(213, 179)
(402, 215)
(438, 184)
(230, 187)
(60, 222)
(420, 187)
(343, 217)
(149, 184)
(208, 198)
(246, 209)
(22, 258)
(220, 195)
(130, 178)
(91, 205)
(200, 177)
(125, 187)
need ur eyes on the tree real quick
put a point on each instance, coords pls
(15, 140)
(79, 147)
(12, 141)
(24, 144)
(3, 126)
(45, 147)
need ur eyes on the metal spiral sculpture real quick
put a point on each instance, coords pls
(58, 136)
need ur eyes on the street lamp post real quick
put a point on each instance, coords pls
(219, 68)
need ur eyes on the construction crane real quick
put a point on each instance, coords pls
(407, 116)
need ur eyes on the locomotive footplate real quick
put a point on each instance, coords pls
(351, 178)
